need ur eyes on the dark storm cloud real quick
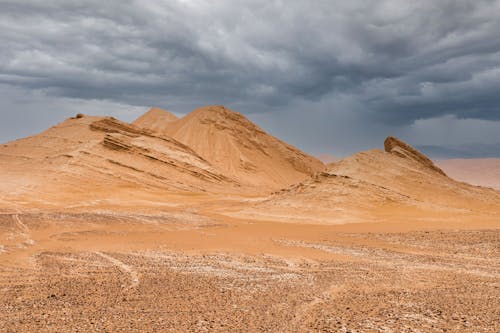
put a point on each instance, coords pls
(390, 62)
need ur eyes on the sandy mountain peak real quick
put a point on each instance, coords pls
(224, 117)
(215, 111)
(241, 149)
(157, 112)
(156, 119)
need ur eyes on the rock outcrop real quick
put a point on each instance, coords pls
(402, 149)
(375, 184)
(92, 156)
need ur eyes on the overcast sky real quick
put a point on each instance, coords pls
(327, 76)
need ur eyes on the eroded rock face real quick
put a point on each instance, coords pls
(402, 149)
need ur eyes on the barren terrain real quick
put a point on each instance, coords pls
(112, 227)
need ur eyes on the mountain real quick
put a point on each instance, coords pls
(476, 171)
(241, 150)
(376, 184)
(403, 169)
(216, 151)
(86, 158)
(155, 119)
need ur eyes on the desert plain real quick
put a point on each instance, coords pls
(209, 224)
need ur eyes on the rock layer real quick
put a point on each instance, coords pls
(402, 149)
(92, 155)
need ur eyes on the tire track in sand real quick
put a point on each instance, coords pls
(20, 224)
(134, 277)
(24, 231)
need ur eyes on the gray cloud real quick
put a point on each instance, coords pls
(307, 71)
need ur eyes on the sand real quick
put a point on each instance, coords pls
(242, 150)
(107, 226)
(155, 119)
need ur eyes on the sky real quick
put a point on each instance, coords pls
(327, 76)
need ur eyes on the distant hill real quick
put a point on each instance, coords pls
(461, 151)
(476, 171)
(328, 158)
(155, 119)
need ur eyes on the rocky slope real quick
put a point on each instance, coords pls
(402, 149)
(374, 184)
(405, 170)
(86, 156)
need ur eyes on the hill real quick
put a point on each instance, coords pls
(476, 171)
(155, 119)
(241, 150)
(375, 185)
(91, 157)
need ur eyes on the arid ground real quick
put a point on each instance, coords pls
(208, 224)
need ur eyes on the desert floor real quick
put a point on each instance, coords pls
(192, 268)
